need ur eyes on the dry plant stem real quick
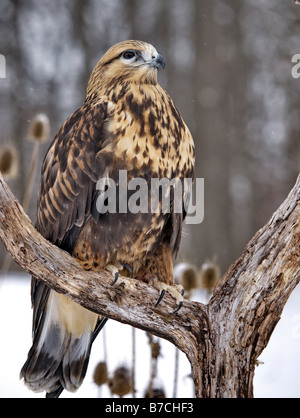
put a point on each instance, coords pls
(176, 370)
(27, 196)
(31, 177)
(223, 339)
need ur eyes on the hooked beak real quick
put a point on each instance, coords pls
(158, 61)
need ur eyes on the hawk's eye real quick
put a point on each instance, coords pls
(128, 55)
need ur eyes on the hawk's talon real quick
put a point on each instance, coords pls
(127, 266)
(179, 306)
(176, 291)
(114, 270)
(116, 278)
(160, 297)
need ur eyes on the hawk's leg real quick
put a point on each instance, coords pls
(115, 270)
(177, 291)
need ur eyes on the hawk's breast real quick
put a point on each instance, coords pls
(145, 137)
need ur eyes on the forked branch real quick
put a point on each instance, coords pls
(223, 339)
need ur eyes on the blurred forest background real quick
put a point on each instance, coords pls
(228, 71)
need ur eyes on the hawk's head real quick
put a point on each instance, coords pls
(132, 61)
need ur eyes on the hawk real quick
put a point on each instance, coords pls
(127, 122)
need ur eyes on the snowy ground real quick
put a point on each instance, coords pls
(277, 377)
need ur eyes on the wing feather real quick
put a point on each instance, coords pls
(70, 171)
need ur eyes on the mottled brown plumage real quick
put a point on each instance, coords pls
(128, 122)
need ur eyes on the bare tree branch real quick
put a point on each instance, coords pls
(223, 339)
(249, 299)
(129, 301)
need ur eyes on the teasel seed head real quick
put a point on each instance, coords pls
(9, 161)
(39, 128)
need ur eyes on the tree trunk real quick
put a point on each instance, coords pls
(223, 339)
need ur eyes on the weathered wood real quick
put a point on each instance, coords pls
(248, 301)
(223, 339)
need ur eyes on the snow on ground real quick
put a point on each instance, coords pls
(15, 332)
(277, 377)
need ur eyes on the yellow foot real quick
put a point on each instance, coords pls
(175, 290)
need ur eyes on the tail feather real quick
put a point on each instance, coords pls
(75, 361)
(59, 356)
